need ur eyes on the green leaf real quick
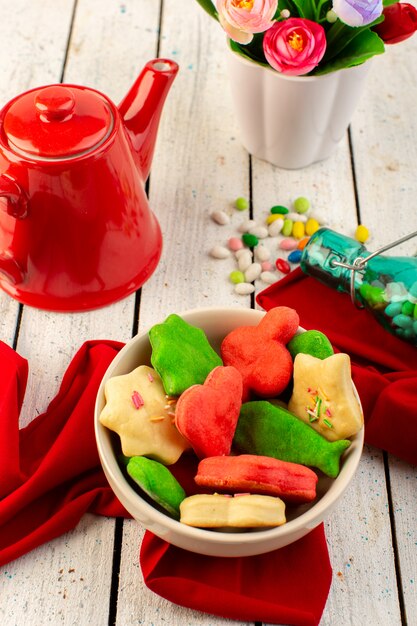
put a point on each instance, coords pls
(253, 51)
(288, 5)
(340, 35)
(388, 3)
(365, 45)
(306, 8)
(209, 7)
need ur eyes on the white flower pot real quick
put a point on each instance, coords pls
(292, 121)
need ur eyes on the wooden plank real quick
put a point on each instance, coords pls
(200, 168)
(50, 340)
(403, 479)
(361, 553)
(50, 21)
(384, 134)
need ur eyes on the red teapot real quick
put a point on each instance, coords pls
(76, 230)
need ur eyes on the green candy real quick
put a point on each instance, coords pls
(181, 354)
(311, 342)
(373, 295)
(157, 481)
(279, 209)
(250, 240)
(269, 430)
(241, 204)
(301, 205)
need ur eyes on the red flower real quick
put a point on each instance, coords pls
(399, 24)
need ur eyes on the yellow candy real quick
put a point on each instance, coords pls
(274, 216)
(361, 233)
(311, 226)
(298, 230)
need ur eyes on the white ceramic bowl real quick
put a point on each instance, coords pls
(216, 322)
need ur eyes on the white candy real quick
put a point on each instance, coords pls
(319, 217)
(269, 277)
(219, 252)
(259, 231)
(297, 217)
(220, 217)
(244, 261)
(275, 228)
(253, 272)
(239, 253)
(246, 225)
(262, 253)
(244, 289)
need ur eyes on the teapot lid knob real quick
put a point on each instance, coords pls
(55, 104)
(58, 122)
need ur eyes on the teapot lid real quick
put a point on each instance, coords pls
(58, 122)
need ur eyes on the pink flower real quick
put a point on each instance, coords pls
(241, 18)
(295, 46)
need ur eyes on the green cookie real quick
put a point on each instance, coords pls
(311, 342)
(269, 430)
(181, 354)
(157, 481)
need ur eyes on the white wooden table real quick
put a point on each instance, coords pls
(91, 575)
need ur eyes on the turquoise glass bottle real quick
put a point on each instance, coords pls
(385, 285)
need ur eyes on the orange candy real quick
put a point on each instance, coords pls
(302, 243)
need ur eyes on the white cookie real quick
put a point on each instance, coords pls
(323, 396)
(138, 409)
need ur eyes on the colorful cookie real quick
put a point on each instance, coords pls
(311, 342)
(157, 481)
(270, 430)
(138, 409)
(243, 511)
(207, 414)
(258, 474)
(323, 396)
(259, 352)
(181, 354)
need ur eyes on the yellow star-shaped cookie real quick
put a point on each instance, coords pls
(138, 409)
(324, 397)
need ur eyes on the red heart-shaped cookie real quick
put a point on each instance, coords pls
(207, 414)
(259, 352)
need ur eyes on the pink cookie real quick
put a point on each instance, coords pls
(260, 355)
(207, 414)
(258, 474)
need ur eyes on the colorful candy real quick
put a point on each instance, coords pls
(295, 256)
(241, 204)
(301, 205)
(250, 240)
(283, 266)
(361, 233)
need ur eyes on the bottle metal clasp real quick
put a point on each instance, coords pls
(359, 265)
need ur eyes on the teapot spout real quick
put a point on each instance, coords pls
(141, 109)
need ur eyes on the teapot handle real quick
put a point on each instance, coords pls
(11, 269)
(16, 206)
(16, 198)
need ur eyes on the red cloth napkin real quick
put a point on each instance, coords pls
(287, 586)
(50, 475)
(384, 368)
